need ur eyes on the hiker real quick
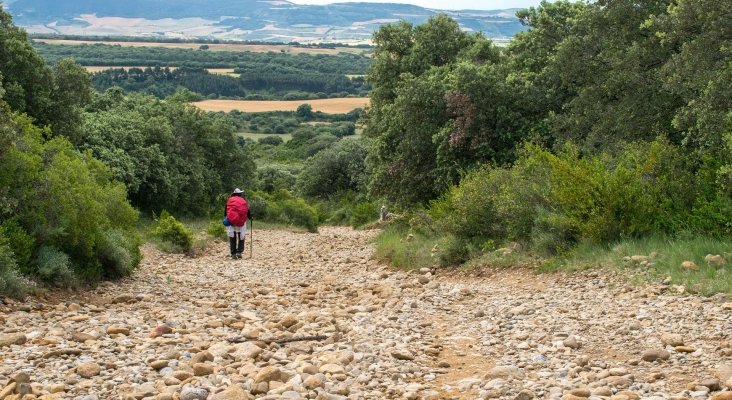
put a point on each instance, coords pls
(237, 213)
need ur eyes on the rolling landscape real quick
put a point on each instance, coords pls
(253, 20)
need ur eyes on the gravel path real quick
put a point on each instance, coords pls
(206, 328)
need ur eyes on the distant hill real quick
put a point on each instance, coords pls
(265, 20)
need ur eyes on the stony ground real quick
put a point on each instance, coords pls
(203, 328)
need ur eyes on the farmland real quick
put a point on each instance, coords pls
(232, 47)
(328, 106)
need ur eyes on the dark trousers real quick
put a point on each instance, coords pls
(236, 248)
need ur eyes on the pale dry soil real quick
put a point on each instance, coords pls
(167, 331)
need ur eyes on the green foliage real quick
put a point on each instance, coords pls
(171, 231)
(273, 178)
(10, 282)
(119, 253)
(272, 140)
(282, 208)
(216, 228)
(54, 266)
(337, 169)
(170, 155)
(20, 242)
(393, 246)
(364, 213)
(554, 202)
(61, 200)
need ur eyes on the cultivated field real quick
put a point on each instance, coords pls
(329, 106)
(257, 48)
(97, 68)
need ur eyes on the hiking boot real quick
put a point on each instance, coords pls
(238, 255)
(233, 256)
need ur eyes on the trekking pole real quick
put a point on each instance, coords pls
(251, 238)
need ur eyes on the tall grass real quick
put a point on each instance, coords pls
(669, 253)
(393, 246)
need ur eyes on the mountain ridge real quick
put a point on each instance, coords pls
(265, 20)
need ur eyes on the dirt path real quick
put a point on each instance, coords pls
(165, 332)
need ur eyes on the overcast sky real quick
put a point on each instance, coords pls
(442, 4)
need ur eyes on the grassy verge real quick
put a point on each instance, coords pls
(665, 258)
(652, 259)
(403, 251)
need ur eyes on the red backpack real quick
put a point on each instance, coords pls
(236, 211)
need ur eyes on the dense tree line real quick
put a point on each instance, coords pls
(626, 105)
(116, 55)
(73, 163)
(163, 82)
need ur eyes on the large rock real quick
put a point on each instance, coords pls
(268, 374)
(88, 370)
(715, 260)
(118, 330)
(193, 393)
(689, 266)
(672, 339)
(722, 396)
(201, 369)
(654, 355)
(7, 340)
(160, 331)
(402, 355)
(232, 393)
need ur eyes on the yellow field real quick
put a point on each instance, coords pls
(220, 71)
(257, 48)
(328, 106)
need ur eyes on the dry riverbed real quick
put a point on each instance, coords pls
(202, 328)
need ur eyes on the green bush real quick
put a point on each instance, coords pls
(10, 282)
(452, 251)
(273, 140)
(169, 230)
(216, 228)
(54, 267)
(295, 212)
(555, 201)
(280, 207)
(20, 242)
(363, 213)
(119, 253)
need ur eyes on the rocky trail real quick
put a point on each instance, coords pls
(204, 328)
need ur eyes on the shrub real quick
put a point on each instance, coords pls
(10, 282)
(363, 213)
(169, 230)
(295, 212)
(216, 228)
(452, 251)
(273, 178)
(54, 267)
(272, 140)
(119, 253)
(20, 242)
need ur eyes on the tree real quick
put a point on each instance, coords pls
(305, 111)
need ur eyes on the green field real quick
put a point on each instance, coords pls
(255, 136)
